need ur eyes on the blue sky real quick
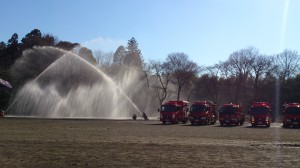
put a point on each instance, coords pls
(207, 30)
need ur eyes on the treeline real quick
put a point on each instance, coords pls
(247, 75)
(13, 49)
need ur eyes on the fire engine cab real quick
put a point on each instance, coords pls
(231, 114)
(291, 115)
(260, 113)
(203, 112)
(174, 112)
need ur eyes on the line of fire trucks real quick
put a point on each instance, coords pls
(204, 113)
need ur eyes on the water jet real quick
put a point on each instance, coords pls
(69, 86)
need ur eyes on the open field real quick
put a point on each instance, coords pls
(109, 143)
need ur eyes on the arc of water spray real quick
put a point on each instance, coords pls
(36, 78)
(107, 78)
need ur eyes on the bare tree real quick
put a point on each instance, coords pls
(104, 60)
(210, 81)
(215, 70)
(162, 80)
(239, 65)
(87, 54)
(119, 55)
(146, 72)
(182, 70)
(191, 87)
(240, 61)
(287, 63)
(216, 74)
(261, 67)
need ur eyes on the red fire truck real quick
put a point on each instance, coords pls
(203, 112)
(291, 115)
(260, 114)
(231, 114)
(174, 112)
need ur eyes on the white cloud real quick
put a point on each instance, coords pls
(104, 44)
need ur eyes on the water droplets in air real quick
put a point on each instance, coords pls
(69, 86)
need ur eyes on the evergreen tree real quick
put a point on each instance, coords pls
(119, 55)
(11, 52)
(133, 56)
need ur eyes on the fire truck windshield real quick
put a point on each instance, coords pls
(260, 110)
(198, 108)
(293, 110)
(228, 110)
(168, 108)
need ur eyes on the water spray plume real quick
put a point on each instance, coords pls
(71, 87)
(108, 79)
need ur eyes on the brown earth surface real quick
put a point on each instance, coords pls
(43, 143)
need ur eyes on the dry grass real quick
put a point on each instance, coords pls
(107, 143)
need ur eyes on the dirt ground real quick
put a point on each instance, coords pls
(26, 142)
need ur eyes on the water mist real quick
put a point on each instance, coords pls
(69, 86)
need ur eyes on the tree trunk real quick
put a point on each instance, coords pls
(178, 93)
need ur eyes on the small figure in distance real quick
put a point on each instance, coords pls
(145, 116)
(1, 113)
(134, 117)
